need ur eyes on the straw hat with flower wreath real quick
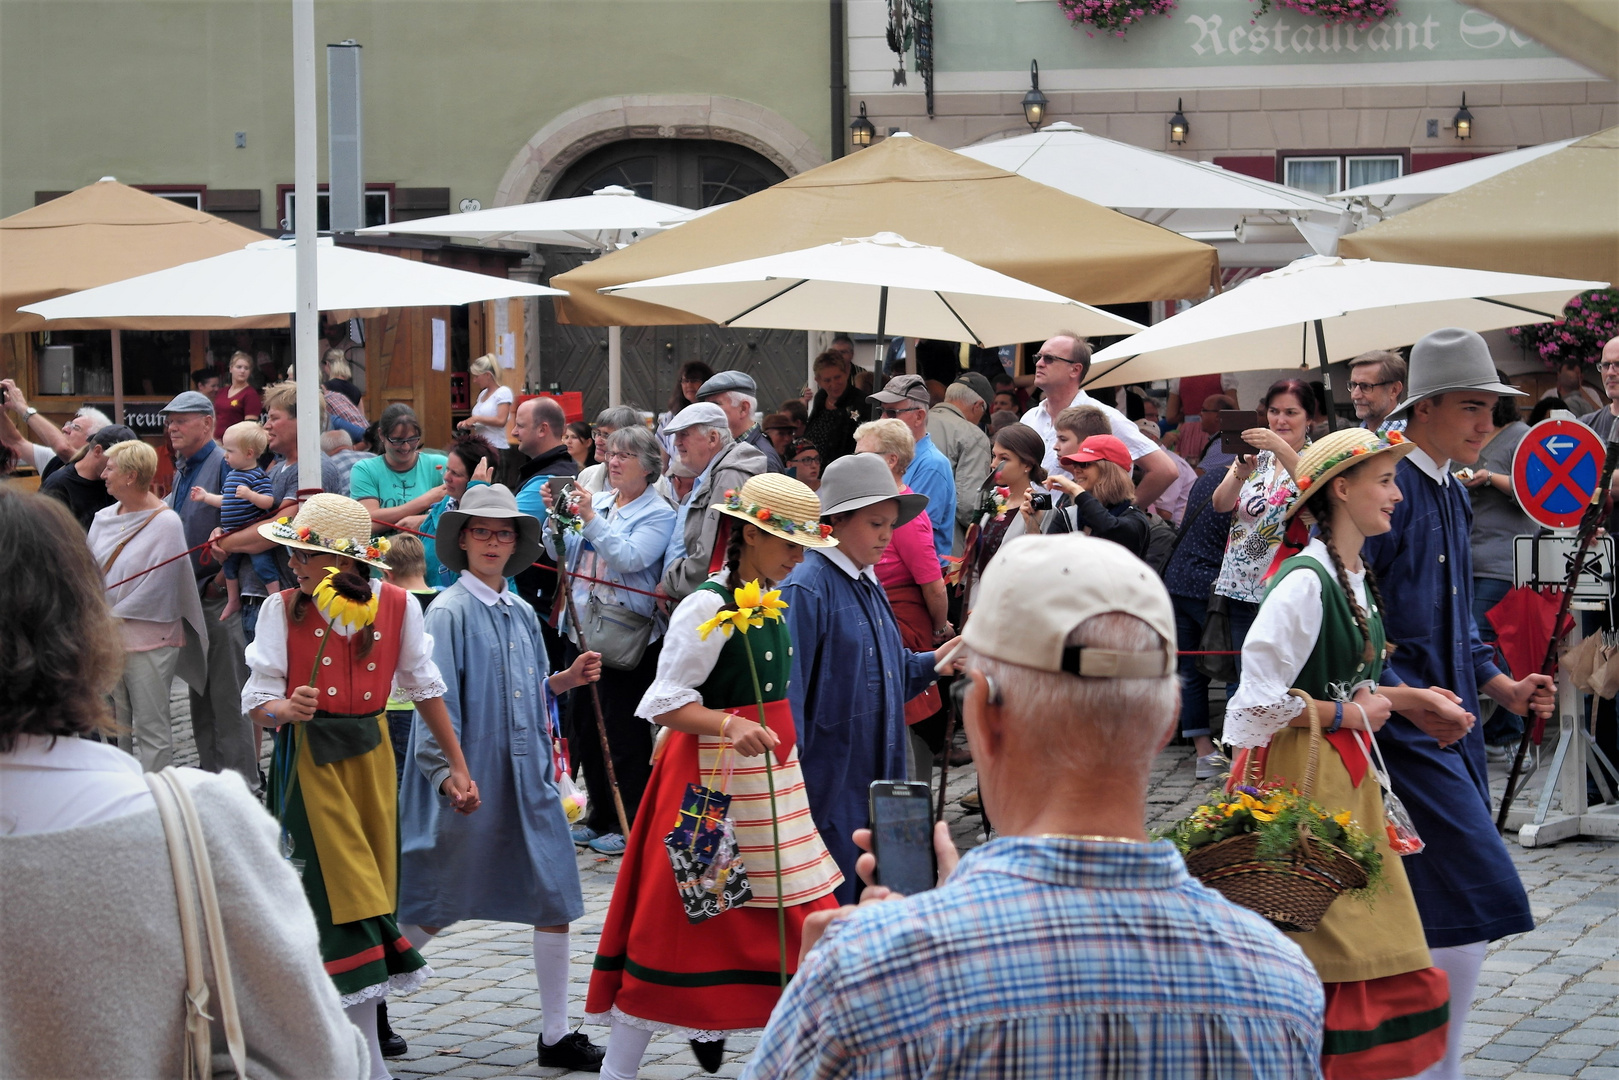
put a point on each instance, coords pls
(1332, 454)
(332, 525)
(780, 506)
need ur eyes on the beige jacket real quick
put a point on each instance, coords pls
(968, 449)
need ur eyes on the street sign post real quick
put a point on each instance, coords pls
(1556, 470)
(1544, 562)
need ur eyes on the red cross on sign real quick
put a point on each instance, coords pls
(1556, 470)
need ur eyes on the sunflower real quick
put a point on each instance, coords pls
(346, 611)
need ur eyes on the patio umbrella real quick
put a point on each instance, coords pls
(260, 279)
(876, 284)
(605, 220)
(1389, 197)
(1327, 309)
(929, 195)
(1558, 214)
(1250, 219)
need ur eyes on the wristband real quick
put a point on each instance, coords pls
(1337, 717)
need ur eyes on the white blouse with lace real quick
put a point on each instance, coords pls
(416, 678)
(1277, 648)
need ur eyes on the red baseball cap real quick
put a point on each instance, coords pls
(1101, 448)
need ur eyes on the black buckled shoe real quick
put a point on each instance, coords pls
(393, 1044)
(710, 1055)
(572, 1051)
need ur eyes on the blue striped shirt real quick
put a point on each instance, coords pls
(1049, 958)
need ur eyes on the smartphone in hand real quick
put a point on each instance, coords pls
(1233, 422)
(902, 836)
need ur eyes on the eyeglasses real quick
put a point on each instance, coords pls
(617, 456)
(406, 443)
(958, 691)
(1608, 365)
(479, 532)
(806, 459)
(302, 557)
(1051, 358)
(890, 413)
(1362, 387)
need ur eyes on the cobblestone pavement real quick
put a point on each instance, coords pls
(1547, 1005)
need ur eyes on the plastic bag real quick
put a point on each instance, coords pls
(1402, 832)
(574, 801)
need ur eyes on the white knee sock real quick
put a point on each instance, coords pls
(414, 934)
(1462, 963)
(626, 1046)
(551, 972)
(364, 1017)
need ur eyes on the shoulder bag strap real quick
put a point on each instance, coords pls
(198, 1048)
(122, 544)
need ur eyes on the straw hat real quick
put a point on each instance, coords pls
(781, 506)
(1332, 454)
(487, 501)
(332, 525)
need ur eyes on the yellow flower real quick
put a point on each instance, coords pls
(344, 613)
(747, 596)
(772, 605)
(726, 621)
(1342, 819)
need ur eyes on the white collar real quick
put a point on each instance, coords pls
(846, 564)
(1437, 471)
(483, 593)
(68, 752)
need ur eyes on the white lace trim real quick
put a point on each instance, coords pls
(690, 1034)
(1254, 725)
(405, 982)
(425, 692)
(252, 699)
(666, 697)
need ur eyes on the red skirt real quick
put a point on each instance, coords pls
(1382, 1029)
(721, 975)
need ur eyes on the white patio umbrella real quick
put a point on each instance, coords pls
(1251, 222)
(1323, 308)
(875, 284)
(605, 220)
(1388, 197)
(260, 279)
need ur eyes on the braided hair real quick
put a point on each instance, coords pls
(733, 557)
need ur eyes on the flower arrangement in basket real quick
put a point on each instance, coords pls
(1270, 848)
(1589, 321)
(1362, 13)
(1113, 16)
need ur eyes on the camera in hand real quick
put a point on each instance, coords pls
(1039, 500)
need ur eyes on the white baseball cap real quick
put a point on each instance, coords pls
(1037, 589)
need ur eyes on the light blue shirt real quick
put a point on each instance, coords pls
(677, 538)
(930, 474)
(630, 542)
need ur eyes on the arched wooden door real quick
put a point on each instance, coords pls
(686, 172)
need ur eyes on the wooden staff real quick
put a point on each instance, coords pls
(595, 696)
(950, 718)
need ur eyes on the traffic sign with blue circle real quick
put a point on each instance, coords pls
(1556, 470)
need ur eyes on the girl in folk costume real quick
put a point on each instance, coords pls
(323, 663)
(514, 861)
(1317, 643)
(655, 969)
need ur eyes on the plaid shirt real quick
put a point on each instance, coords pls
(1049, 958)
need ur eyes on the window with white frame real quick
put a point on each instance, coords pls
(377, 208)
(1326, 173)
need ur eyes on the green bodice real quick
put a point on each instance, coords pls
(730, 684)
(1338, 656)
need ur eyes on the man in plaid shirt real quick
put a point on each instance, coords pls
(1070, 945)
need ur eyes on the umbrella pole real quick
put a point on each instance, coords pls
(306, 315)
(1588, 528)
(615, 366)
(882, 330)
(1326, 378)
(118, 376)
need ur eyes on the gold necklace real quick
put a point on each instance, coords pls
(1090, 837)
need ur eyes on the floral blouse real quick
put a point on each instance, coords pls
(1256, 530)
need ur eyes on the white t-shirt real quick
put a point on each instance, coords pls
(1124, 429)
(43, 456)
(488, 406)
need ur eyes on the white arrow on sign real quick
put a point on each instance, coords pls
(1557, 445)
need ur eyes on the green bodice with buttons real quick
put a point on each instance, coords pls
(1339, 653)
(730, 684)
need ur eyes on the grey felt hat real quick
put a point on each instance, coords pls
(912, 389)
(705, 413)
(487, 501)
(857, 480)
(188, 401)
(1448, 360)
(739, 382)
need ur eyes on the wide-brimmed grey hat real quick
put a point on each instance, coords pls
(188, 401)
(487, 501)
(1448, 360)
(857, 480)
(739, 382)
(705, 413)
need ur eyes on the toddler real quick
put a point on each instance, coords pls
(245, 498)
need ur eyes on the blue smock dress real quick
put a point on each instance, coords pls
(1465, 885)
(851, 679)
(512, 859)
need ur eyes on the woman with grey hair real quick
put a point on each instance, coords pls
(620, 540)
(617, 418)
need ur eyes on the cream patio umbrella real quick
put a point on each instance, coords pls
(929, 195)
(1325, 309)
(876, 284)
(1389, 197)
(1556, 215)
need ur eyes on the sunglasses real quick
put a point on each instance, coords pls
(479, 532)
(1051, 358)
(893, 413)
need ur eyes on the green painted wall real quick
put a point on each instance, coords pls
(153, 92)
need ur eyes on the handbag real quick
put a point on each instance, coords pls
(1216, 638)
(619, 634)
(194, 879)
(703, 854)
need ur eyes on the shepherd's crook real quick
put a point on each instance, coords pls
(595, 701)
